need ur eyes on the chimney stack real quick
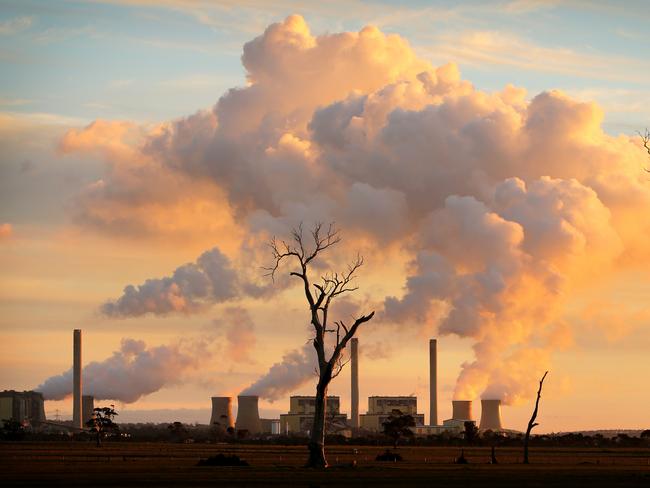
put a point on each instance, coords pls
(88, 408)
(222, 412)
(354, 394)
(491, 415)
(433, 382)
(77, 405)
(248, 415)
(462, 409)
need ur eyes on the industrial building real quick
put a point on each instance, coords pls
(300, 417)
(23, 406)
(381, 407)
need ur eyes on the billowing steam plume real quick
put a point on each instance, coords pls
(507, 204)
(295, 369)
(130, 373)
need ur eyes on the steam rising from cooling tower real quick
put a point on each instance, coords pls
(248, 416)
(222, 412)
(491, 415)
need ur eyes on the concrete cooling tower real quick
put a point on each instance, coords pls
(491, 415)
(462, 410)
(248, 415)
(222, 412)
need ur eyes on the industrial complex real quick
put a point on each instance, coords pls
(28, 407)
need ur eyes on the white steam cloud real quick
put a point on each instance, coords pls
(507, 205)
(130, 373)
(296, 368)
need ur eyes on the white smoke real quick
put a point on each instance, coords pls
(130, 373)
(507, 206)
(296, 368)
(192, 287)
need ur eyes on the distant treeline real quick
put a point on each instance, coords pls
(178, 432)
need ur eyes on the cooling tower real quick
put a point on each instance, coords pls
(222, 412)
(354, 393)
(433, 382)
(248, 415)
(77, 406)
(462, 409)
(491, 415)
(87, 410)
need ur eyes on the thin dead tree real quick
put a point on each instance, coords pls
(645, 139)
(302, 251)
(531, 422)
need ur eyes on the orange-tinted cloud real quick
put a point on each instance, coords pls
(506, 206)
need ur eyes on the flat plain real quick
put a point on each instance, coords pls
(75, 464)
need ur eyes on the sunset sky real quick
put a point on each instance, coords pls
(484, 159)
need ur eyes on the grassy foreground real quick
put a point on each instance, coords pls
(162, 465)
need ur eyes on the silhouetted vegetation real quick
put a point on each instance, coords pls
(101, 423)
(304, 252)
(389, 456)
(531, 422)
(12, 430)
(471, 432)
(398, 425)
(222, 460)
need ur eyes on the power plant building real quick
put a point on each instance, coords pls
(382, 407)
(22, 406)
(300, 417)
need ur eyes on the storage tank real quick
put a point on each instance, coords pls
(222, 412)
(248, 415)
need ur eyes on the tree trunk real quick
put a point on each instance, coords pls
(531, 422)
(99, 439)
(317, 438)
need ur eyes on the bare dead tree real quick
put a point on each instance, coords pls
(645, 139)
(531, 422)
(302, 251)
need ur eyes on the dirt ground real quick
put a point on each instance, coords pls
(174, 465)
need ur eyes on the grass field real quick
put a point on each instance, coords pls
(142, 464)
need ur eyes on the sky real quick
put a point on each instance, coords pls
(483, 157)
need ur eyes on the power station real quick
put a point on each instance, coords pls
(28, 406)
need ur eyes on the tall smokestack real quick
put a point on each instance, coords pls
(88, 408)
(433, 382)
(462, 409)
(354, 393)
(491, 415)
(77, 402)
(222, 412)
(248, 415)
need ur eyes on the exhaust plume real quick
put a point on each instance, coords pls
(508, 206)
(130, 373)
(295, 369)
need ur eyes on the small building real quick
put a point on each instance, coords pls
(23, 406)
(300, 417)
(270, 426)
(382, 407)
